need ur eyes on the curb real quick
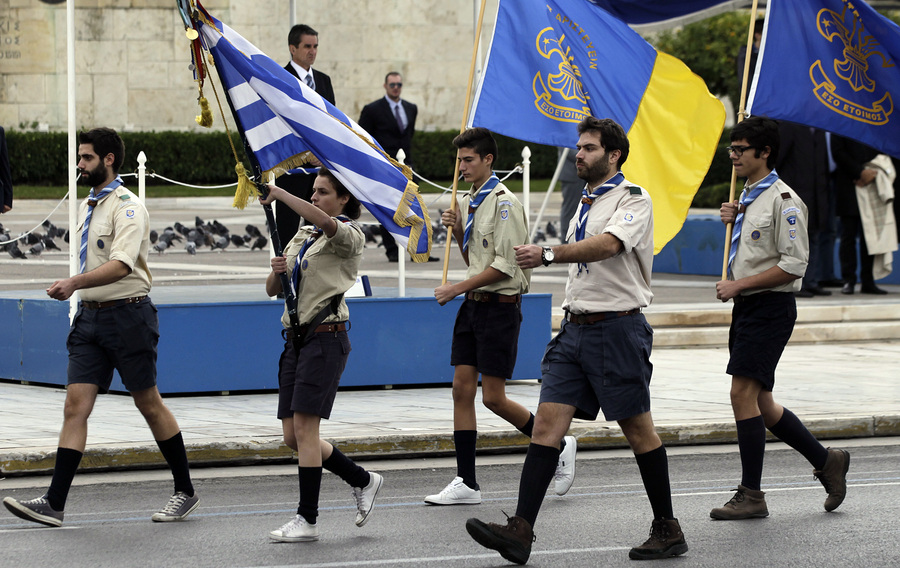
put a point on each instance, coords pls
(590, 436)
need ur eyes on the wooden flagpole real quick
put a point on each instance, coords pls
(462, 128)
(742, 114)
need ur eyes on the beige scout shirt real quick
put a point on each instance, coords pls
(499, 225)
(622, 282)
(120, 230)
(328, 268)
(773, 233)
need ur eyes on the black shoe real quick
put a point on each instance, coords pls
(512, 541)
(847, 288)
(831, 283)
(803, 293)
(433, 259)
(817, 291)
(872, 289)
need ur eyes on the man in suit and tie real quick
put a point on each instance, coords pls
(392, 122)
(6, 187)
(303, 42)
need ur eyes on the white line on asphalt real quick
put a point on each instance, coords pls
(32, 528)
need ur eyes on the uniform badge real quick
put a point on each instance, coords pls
(484, 243)
(629, 217)
(100, 244)
(754, 236)
(304, 264)
(792, 220)
(129, 213)
(793, 234)
(504, 214)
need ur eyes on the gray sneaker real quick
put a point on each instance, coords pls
(37, 510)
(178, 507)
(365, 497)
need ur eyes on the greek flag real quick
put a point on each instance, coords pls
(284, 121)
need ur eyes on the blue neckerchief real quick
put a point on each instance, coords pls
(586, 202)
(92, 202)
(747, 198)
(295, 274)
(488, 187)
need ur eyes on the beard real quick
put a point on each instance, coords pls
(597, 171)
(93, 178)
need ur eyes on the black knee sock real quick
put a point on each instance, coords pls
(537, 473)
(310, 484)
(792, 432)
(654, 466)
(465, 456)
(176, 456)
(751, 434)
(528, 428)
(345, 468)
(67, 461)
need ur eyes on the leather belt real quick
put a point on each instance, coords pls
(492, 297)
(288, 334)
(88, 305)
(588, 319)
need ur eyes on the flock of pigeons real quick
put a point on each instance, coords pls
(36, 242)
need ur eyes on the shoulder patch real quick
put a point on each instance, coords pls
(786, 195)
(125, 197)
(501, 192)
(634, 190)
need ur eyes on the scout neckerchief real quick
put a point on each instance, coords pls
(747, 198)
(92, 202)
(488, 187)
(586, 202)
(295, 275)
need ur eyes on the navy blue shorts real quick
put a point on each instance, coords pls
(308, 381)
(122, 337)
(761, 325)
(486, 336)
(604, 365)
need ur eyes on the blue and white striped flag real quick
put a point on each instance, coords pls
(282, 119)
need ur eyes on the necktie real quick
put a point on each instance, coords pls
(309, 81)
(488, 186)
(586, 202)
(399, 118)
(746, 199)
(92, 202)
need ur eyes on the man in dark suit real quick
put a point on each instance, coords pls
(6, 188)
(802, 163)
(392, 122)
(303, 41)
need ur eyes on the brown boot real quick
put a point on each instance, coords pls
(834, 477)
(512, 541)
(746, 504)
(666, 540)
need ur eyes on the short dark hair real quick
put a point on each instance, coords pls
(352, 208)
(478, 139)
(392, 73)
(299, 31)
(612, 136)
(105, 141)
(759, 132)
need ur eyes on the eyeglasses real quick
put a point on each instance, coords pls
(738, 150)
(395, 85)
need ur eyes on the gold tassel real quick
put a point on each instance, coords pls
(246, 190)
(206, 117)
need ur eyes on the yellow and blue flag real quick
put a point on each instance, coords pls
(283, 120)
(553, 62)
(831, 64)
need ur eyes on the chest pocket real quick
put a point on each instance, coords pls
(757, 230)
(483, 237)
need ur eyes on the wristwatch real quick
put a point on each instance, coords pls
(546, 255)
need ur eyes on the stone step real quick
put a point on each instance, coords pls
(702, 325)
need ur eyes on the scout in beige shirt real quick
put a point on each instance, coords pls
(115, 328)
(600, 359)
(321, 262)
(766, 260)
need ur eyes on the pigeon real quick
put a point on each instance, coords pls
(33, 238)
(66, 236)
(37, 249)
(252, 231)
(237, 241)
(173, 236)
(190, 247)
(539, 236)
(198, 222)
(260, 243)
(14, 251)
(550, 229)
(219, 228)
(160, 246)
(221, 243)
(153, 236)
(4, 238)
(49, 244)
(181, 228)
(195, 236)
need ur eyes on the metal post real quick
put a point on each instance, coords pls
(401, 255)
(142, 177)
(526, 183)
(74, 239)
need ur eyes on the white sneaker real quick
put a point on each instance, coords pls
(565, 469)
(365, 497)
(456, 493)
(296, 530)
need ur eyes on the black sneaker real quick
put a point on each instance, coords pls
(666, 540)
(512, 541)
(37, 510)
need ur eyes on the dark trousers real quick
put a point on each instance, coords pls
(851, 228)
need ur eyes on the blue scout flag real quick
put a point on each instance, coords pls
(284, 121)
(650, 11)
(831, 64)
(553, 62)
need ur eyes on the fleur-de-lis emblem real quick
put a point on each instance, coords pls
(858, 47)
